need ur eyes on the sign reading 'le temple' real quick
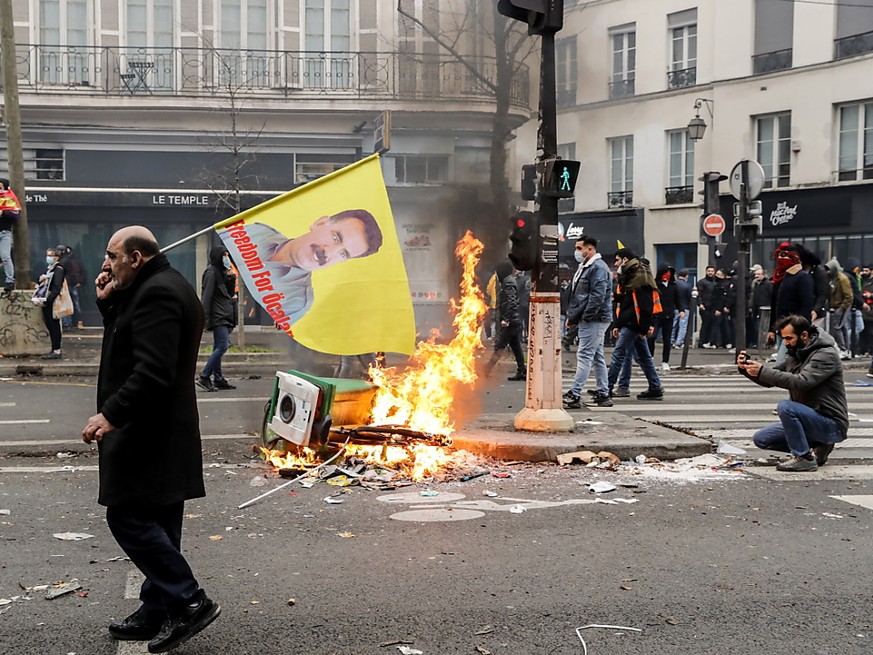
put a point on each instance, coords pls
(782, 214)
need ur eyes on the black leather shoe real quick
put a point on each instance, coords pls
(223, 384)
(180, 629)
(137, 627)
(520, 375)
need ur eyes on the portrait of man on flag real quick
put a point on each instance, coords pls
(329, 275)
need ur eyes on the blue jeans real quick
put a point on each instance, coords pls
(6, 256)
(680, 327)
(590, 353)
(627, 343)
(798, 427)
(220, 344)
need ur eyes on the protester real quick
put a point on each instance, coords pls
(10, 208)
(147, 432)
(589, 312)
(760, 296)
(793, 291)
(509, 332)
(816, 416)
(821, 287)
(348, 363)
(866, 346)
(705, 290)
(664, 320)
(633, 320)
(216, 295)
(53, 283)
(74, 275)
(840, 304)
(683, 308)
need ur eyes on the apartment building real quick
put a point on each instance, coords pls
(174, 113)
(789, 84)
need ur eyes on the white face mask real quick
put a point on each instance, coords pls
(579, 256)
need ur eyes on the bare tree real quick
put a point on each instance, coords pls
(511, 47)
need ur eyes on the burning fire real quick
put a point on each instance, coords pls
(421, 396)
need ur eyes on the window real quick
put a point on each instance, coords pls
(308, 171)
(774, 149)
(327, 39)
(624, 61)
(63, 34)
(854, 28)
(148, 60)
(856, 142)
(566, 151)
(421, 169)
(242, 60)
(621, 172)
(49, 164)
(565, 71)
(683, 49)
(774, 35)
(681, 168)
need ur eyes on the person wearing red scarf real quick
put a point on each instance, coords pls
(793, 290)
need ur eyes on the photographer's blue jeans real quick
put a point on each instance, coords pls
(590, 354)
(627, 343)
(798, 427)
(220, 344)
(6, 255)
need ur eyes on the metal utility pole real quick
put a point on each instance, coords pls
(14, 142)
(543, 407)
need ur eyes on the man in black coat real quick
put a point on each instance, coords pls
(509, 331)
(148, 434)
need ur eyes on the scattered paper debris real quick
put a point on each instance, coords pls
(601, 487)
(517, 509)
(5, 512)
(831, 516)
(61, 589)
(724, 448)
(333, 500)
(405, 650)
(428, 493)
(216, 537)
(72, 536)
(258, 481)
(490, 494)
(346, 535)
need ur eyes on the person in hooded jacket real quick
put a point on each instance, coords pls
(509, 322)
(811, 263)
(664, 321)
(816, 416)
(840, 306)
(217, 288)
(53, 278)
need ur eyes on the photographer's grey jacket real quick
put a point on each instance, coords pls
(813, 377)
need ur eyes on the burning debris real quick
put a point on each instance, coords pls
(412, 410)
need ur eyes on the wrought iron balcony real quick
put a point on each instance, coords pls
(616, 199)
(850, 46)
(679, 195)
(680, 78)
(768, 62)
(621, 88)
(267, 73)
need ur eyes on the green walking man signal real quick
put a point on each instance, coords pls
(559, 177)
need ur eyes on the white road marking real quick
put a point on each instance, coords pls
(25, 421)
(134, 582)
(47, 469)
(849, 472)
(67, 442)
(860, 501)
(7, 404)
(231, 399)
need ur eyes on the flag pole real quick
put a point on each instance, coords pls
(190, 237)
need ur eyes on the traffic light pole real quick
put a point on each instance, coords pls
(742, 260)
(543, 406)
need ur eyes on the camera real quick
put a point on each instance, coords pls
(743, 358)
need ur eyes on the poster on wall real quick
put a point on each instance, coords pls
(424, 247)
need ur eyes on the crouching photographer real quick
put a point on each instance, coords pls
(816, 416)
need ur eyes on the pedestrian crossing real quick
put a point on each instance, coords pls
(728, 408)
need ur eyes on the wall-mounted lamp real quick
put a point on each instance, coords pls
(697, 126)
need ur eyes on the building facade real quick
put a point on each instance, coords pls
(789, 84)
(176, 114)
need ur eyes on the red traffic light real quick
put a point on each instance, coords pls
(520, 222)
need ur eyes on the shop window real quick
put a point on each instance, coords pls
(421, 169)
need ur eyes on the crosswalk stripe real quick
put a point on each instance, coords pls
(25, 421)
(7, 404)
(861, 501)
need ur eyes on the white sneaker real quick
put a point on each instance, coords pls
(729, 346)
(665, 366)
(845, 355)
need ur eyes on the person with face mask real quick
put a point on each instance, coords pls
(866, 346)
(53, 279)
(589, 313)
(217, 285)
(816, 416)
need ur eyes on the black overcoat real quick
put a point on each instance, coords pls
(145, 390)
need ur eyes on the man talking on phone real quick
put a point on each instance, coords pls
(816, 417)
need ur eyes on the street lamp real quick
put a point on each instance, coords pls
(697, 126)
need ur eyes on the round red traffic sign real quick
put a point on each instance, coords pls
(713, 225)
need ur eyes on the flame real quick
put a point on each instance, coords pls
(421, 395)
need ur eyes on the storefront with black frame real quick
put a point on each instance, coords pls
(608, 227)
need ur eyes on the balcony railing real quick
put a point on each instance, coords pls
(679, 195)
(616, 199)
(213, 71)
(850, 46)
(621, 88)
(681, 78)
(768, 62)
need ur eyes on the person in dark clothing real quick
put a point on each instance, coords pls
(147, 432)
(10, 208)
(53, 279)
(760, 295)
(683, 308)
(663, 322)
(75, 275)
(812, 264)
(705, 289)
(793, 290)
(217, 289)
(509, 331)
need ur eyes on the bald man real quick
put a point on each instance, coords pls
(148, 434)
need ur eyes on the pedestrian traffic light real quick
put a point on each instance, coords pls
(559, 177)
(750, 223)
(541, 16)
(529, 182)
(525, 238)
(711, 203)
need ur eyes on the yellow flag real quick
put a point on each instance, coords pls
(324, 261)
